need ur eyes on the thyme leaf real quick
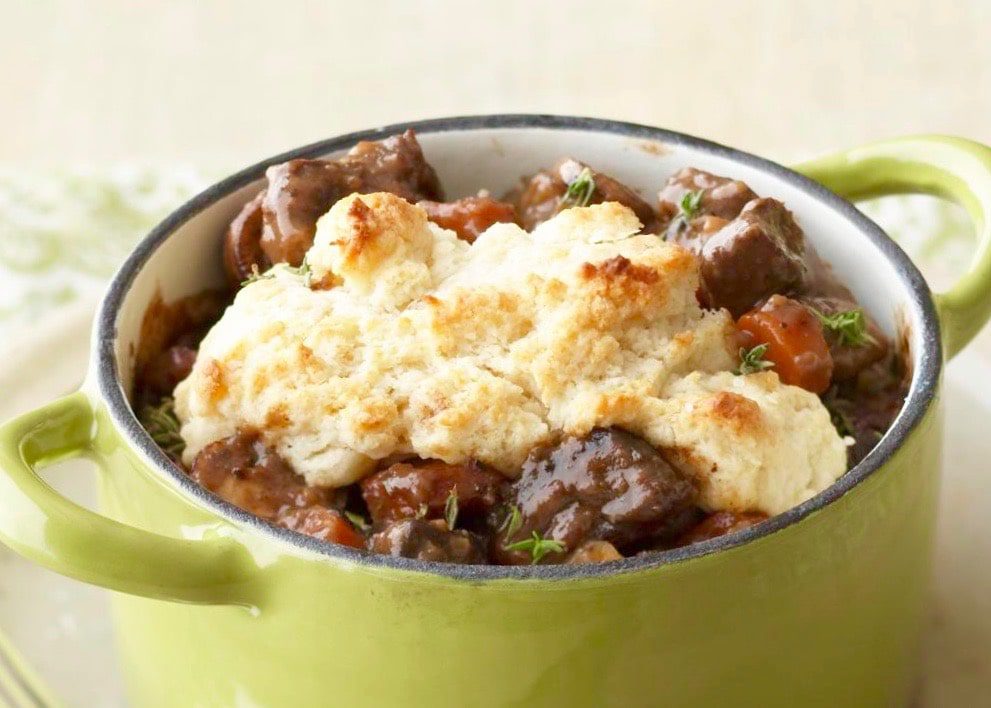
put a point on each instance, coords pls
(537, 546)
(849, 325)
(691, 204)
(357, 520)
(580, 191)
(451, 509)
(163, 426)
(752, 360)
(511, 524)
(256, 275)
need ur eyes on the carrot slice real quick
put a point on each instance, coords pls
(795, 342)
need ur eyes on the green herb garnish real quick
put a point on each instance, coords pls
(691, 204)
(163, 426)
(841, 421)
(838, 414)
(537, 546)
(511, 524)
(752, 360)
(358, 520)
(302, 270)
(850, 326)
(580, 191)
(451, 509)
(256, 275)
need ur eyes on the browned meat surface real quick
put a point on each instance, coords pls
(756, 255)
(719, 524)
(720, 197)
(609, 485)
(323, 523)
(427, 541)
(241, 470)
(470, 216)
(301, 191)
(820, 280)
(542, 194)
(242, 243)
(167, 368)
(850, 358)
(692, 234)
(421, 489)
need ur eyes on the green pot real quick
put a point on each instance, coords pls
(822, 605)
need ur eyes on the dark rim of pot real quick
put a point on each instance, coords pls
(925, 375)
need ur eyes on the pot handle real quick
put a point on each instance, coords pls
(40, 524)
(952, 168)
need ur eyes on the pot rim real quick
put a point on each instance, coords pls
(926, 367)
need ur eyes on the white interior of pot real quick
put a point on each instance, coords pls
(495, 158)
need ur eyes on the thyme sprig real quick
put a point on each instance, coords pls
(511, 524)
(451, 509)
(537, 546)
(163, 426)
(302, 270)
(580, 190)
(691, 204)
(752, 360)
(256, 275)
(849, 325)
(357, 520)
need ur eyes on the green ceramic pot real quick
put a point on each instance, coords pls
(820, 606)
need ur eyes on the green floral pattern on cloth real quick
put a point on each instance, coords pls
(63, 234)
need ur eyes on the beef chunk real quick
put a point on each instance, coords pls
(541, 195)
(849, 358)
(719, 524)
(421, 488)
(692, 234)
(323, 523)
(721, 197)
(609, 486)
(427, 541)
(241, 470)
(470, 216)
(243, 245)
(754, 256)
(167, 368)
(300, 191)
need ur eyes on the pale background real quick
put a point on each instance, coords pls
(223, 83)
(114, 111)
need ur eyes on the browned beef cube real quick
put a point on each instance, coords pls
(427, 541)
(756, 255)
(609, 485)
(300, 191)
(720, 196)
(543, 195)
